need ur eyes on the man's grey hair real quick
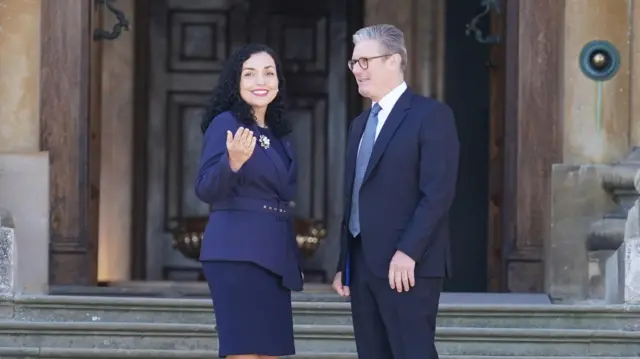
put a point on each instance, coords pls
(390, 37)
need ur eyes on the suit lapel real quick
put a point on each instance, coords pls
(354, 142)
(397, 115)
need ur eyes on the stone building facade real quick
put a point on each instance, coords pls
(116, 123)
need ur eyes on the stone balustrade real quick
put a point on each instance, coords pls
(622, 281)
(589, 210)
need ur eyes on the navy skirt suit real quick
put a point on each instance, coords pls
(249, 254)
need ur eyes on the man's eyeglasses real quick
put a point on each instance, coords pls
(364, 61)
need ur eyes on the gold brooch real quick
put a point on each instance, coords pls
(264, 141)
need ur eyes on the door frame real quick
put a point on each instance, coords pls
(69, 110)
(140, 134)
(501, 168)
(532, 137)
(503, 55)
(497, 216)
(500, 55)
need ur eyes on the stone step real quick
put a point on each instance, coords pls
(64, 353)
(319, 339)
(199, 311)
(313, 292)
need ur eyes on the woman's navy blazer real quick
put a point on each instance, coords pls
(250, 217)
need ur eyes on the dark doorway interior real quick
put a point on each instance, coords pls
(467, 91)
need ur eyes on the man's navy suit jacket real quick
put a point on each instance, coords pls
(407, 189)
(250, 218)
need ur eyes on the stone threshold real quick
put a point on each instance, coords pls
(141, 302)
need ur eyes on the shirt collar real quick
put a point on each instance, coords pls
(390, 99)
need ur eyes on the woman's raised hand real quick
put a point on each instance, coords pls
(240, 147)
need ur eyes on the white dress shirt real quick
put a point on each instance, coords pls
(386, 104)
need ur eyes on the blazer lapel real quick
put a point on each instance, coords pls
(354, 143)
(291, 174)
(397, 115)
(281, 170)
(286, 143)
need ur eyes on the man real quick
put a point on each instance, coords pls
(401, 168)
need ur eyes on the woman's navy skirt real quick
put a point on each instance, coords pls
(252, 309)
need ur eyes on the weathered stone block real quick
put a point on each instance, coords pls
(623, 269)
(24, 193)
(578, 199)
(632, 271)
(614, 277)
(7, 252)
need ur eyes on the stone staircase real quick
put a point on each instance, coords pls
(128, 327)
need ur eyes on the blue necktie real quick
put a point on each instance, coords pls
(364, 154)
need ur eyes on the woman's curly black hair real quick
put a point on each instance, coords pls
(226, 96)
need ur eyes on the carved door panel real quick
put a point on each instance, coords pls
(189, 42)
(310, 38)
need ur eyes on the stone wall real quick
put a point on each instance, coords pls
(24, 200)
(19, 75)
(585, 210)
(24, 175)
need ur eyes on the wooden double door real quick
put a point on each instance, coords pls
(188, 43)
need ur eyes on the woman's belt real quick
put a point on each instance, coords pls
(257, 205)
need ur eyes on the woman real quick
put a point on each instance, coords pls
(247, 174)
